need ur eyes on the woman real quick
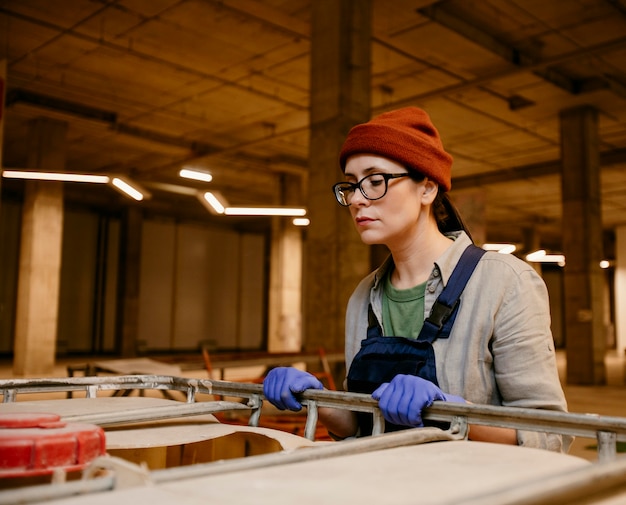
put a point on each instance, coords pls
(495, 347)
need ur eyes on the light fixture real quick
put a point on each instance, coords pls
(197, 175)
(265, 211)
(607, 264)
(55, 176)
(132, 190)
(301, 221)
(501, 248)
(540, 256)
(213, 201)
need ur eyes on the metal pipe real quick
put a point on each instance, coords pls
(582, 425)
(607, 446)
(312, 416)
(155, 413)
(46, 492)
(329, 450)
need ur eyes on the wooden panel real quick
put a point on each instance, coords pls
(78, 281)
(110, 293)
(10, 225)
(223, 281)
(190, 291)
(252, 292)
(157, 276)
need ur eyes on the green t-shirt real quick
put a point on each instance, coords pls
(403, 309)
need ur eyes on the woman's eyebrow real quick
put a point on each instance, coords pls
(367, 171)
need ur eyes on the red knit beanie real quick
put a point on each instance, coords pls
(406, 136)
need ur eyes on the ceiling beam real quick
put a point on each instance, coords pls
(553, 167)
(441, 14)
(16, 96)
(274, 18)
(154, 58)
(197, 149)
(603, 47)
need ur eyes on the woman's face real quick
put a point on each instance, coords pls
(393, 219)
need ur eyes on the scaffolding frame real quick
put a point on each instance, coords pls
(602, 478)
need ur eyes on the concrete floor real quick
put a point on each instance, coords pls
(609, 400)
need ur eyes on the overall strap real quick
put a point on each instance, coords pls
(373, 326)
(439, 323)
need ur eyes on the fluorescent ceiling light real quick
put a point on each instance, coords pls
(213, 201)
(301, 221)
(128, 189)
(264, 211)
(197, 175)
(217, 204)
(540, 256)
(501, 248)
(55, 176)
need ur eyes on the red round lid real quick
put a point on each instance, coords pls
(38, 444)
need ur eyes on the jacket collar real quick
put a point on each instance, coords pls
(445, 263)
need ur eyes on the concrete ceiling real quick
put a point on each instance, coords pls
(150, 86)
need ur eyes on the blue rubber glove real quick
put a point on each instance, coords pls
(402, 400)
(281, 383)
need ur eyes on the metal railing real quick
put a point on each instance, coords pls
(606, 430)
(578, 486)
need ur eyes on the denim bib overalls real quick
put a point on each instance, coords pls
(381, 358)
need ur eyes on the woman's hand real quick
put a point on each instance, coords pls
(281, 383)
(402, 400)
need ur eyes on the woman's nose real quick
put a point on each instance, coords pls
(358, 198)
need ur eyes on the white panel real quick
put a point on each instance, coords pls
(620, 289)
(78, 281)
(155, 289)
(252, 306)
(223, 285)
(190, 320)
(10, 225)
(110, 279)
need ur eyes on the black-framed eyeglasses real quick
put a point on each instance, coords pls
(372, 187)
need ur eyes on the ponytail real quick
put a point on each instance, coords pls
(447, 216)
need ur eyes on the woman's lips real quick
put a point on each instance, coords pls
(363, 220)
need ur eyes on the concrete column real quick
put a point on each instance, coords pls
(532, 242)
(336, 259)
(620, 290)
(128, 283)
(582, 246)
(285, 296)
(40, 254)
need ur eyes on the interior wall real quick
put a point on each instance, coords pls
(10, 223)
(198, 284)
(156, 297)
(111, 249)
(76, 326)
(253, 288)
(201, 285)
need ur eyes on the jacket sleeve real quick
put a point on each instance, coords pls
(524, 356)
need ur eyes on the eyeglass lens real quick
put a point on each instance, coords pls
(373, 187)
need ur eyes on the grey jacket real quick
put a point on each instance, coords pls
(500, 351)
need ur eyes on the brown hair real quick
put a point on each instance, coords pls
(446, 214)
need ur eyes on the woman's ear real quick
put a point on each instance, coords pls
(431, 188)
